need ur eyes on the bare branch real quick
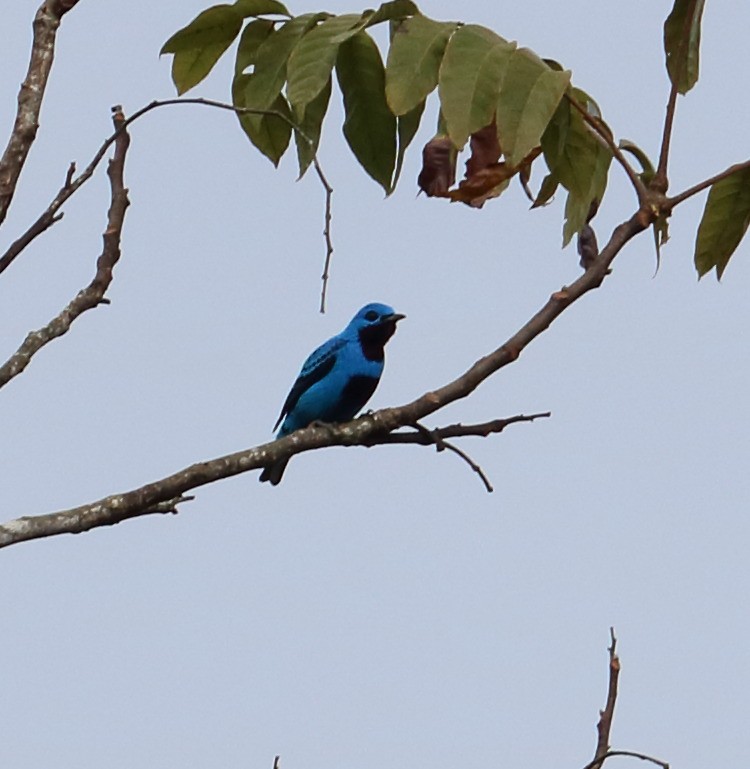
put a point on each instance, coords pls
(326, 234)
(365, 431)
(72, 183)
(695, 189)
(604, 727)
(46, 220)
(471, 463)
(35, 340)
(423, 436)
(606, 136)
(606, 716)
(45, 26)
(597, 762)
(93, 294)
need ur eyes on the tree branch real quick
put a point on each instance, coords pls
(326, 234)
(93, 294)
(604, 727)
(45, 26)
(72, 184)
(606, 716)
(422, 436)
(696, 188)
(62, 322)
(163, 496)
(597, 762)
(365, 431)
(660, 182)
(46, 220)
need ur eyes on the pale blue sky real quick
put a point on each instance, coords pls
(378, 608)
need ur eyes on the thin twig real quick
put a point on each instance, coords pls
(93, 294)
(471, 463)
(46, 220)
(35, 340)
(425, 435)
(326, 233)
(696, 188)
(597, 762)
(606, 136)
(72, 184)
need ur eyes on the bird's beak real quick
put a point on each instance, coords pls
(397, 316)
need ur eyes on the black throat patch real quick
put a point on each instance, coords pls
(372, 339)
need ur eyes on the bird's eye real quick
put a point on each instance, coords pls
(371, 315)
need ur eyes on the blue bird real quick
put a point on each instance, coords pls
(339, 377)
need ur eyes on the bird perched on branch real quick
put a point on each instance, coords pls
(338, 378)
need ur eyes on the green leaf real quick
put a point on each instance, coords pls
(471, 73)
(661, 236)
(578, 204)
(578, 159)
(547, 189)
(199, 45)
(260, 8)
(414, 61)
(269, 74)
(576, 209)
(269, 133)
(369, 125)
(529, 96)
(311, 127)
(395, 9)
(310, 65)
(647, 167)
(682, 40)
(408, 125)
(252, 36)
(724, 222)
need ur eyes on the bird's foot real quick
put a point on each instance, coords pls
(327, 426)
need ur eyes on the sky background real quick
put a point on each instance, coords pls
(378, 608)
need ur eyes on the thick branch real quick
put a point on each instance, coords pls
(93, 294)
(366, 430)
(164, 495)
(46, 23)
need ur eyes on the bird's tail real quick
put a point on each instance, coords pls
(273, 473)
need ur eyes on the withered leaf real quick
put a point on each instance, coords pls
(438, 172)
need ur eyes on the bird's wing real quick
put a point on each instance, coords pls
(318, 364)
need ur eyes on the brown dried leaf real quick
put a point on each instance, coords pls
(438, 167)
(483, 185)
(489, 182)
(485, 150)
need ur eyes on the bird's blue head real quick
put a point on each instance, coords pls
(374, 325)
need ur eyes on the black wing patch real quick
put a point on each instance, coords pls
(308, 377)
